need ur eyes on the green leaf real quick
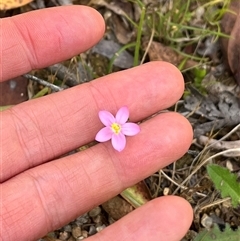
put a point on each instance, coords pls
(137, 195)
(2, 108)
(215, 234)
(225, 182)
(41, 93)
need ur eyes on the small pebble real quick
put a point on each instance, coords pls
(71, 239)
(83, 219)
(166, 191)
(100, 228)
(200, 12)
(94, 212)
(85, 215)
(206, 221)
(67, 228)
(64, 235)
(97, 219)
(85, 233)
(76, 232)
(80, 238)
(92, 230)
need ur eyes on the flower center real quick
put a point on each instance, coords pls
(116, 128)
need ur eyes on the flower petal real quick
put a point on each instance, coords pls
(105, 134)
(122, 115)
(119, 142)
(130, 129)
(106, 117)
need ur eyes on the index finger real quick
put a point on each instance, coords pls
(43, 37)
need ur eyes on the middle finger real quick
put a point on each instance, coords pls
(45, 128)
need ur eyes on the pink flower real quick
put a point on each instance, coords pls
(116, 128)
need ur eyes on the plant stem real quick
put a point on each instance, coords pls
(139, 35)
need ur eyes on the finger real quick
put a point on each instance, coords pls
(157, 220)
(59, 191)
(40, 38)
(43, 129)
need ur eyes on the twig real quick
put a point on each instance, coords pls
(65, 74)
(235, 150)
(219, 145)
(179, 185)
(149, 44)
(43, 82)
(217, 202)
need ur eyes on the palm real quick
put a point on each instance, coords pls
(46, 195)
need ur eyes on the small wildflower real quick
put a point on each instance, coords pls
(116, 128)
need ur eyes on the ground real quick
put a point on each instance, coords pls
(194, 36)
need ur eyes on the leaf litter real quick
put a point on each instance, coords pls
(201, 39)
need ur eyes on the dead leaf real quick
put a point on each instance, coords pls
(13, 91)
(160, 52)
(137, 195)
(117, 207)
(109, 48)
(231, 47)
(234, 50)
(120, 8)
(10, 4)
(122, 32)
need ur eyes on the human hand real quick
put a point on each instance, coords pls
(40, 192)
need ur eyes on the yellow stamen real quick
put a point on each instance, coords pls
(116, 128)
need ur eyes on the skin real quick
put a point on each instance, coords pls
(40, 192)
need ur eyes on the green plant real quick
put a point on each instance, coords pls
(225, 182)
(216, 234)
